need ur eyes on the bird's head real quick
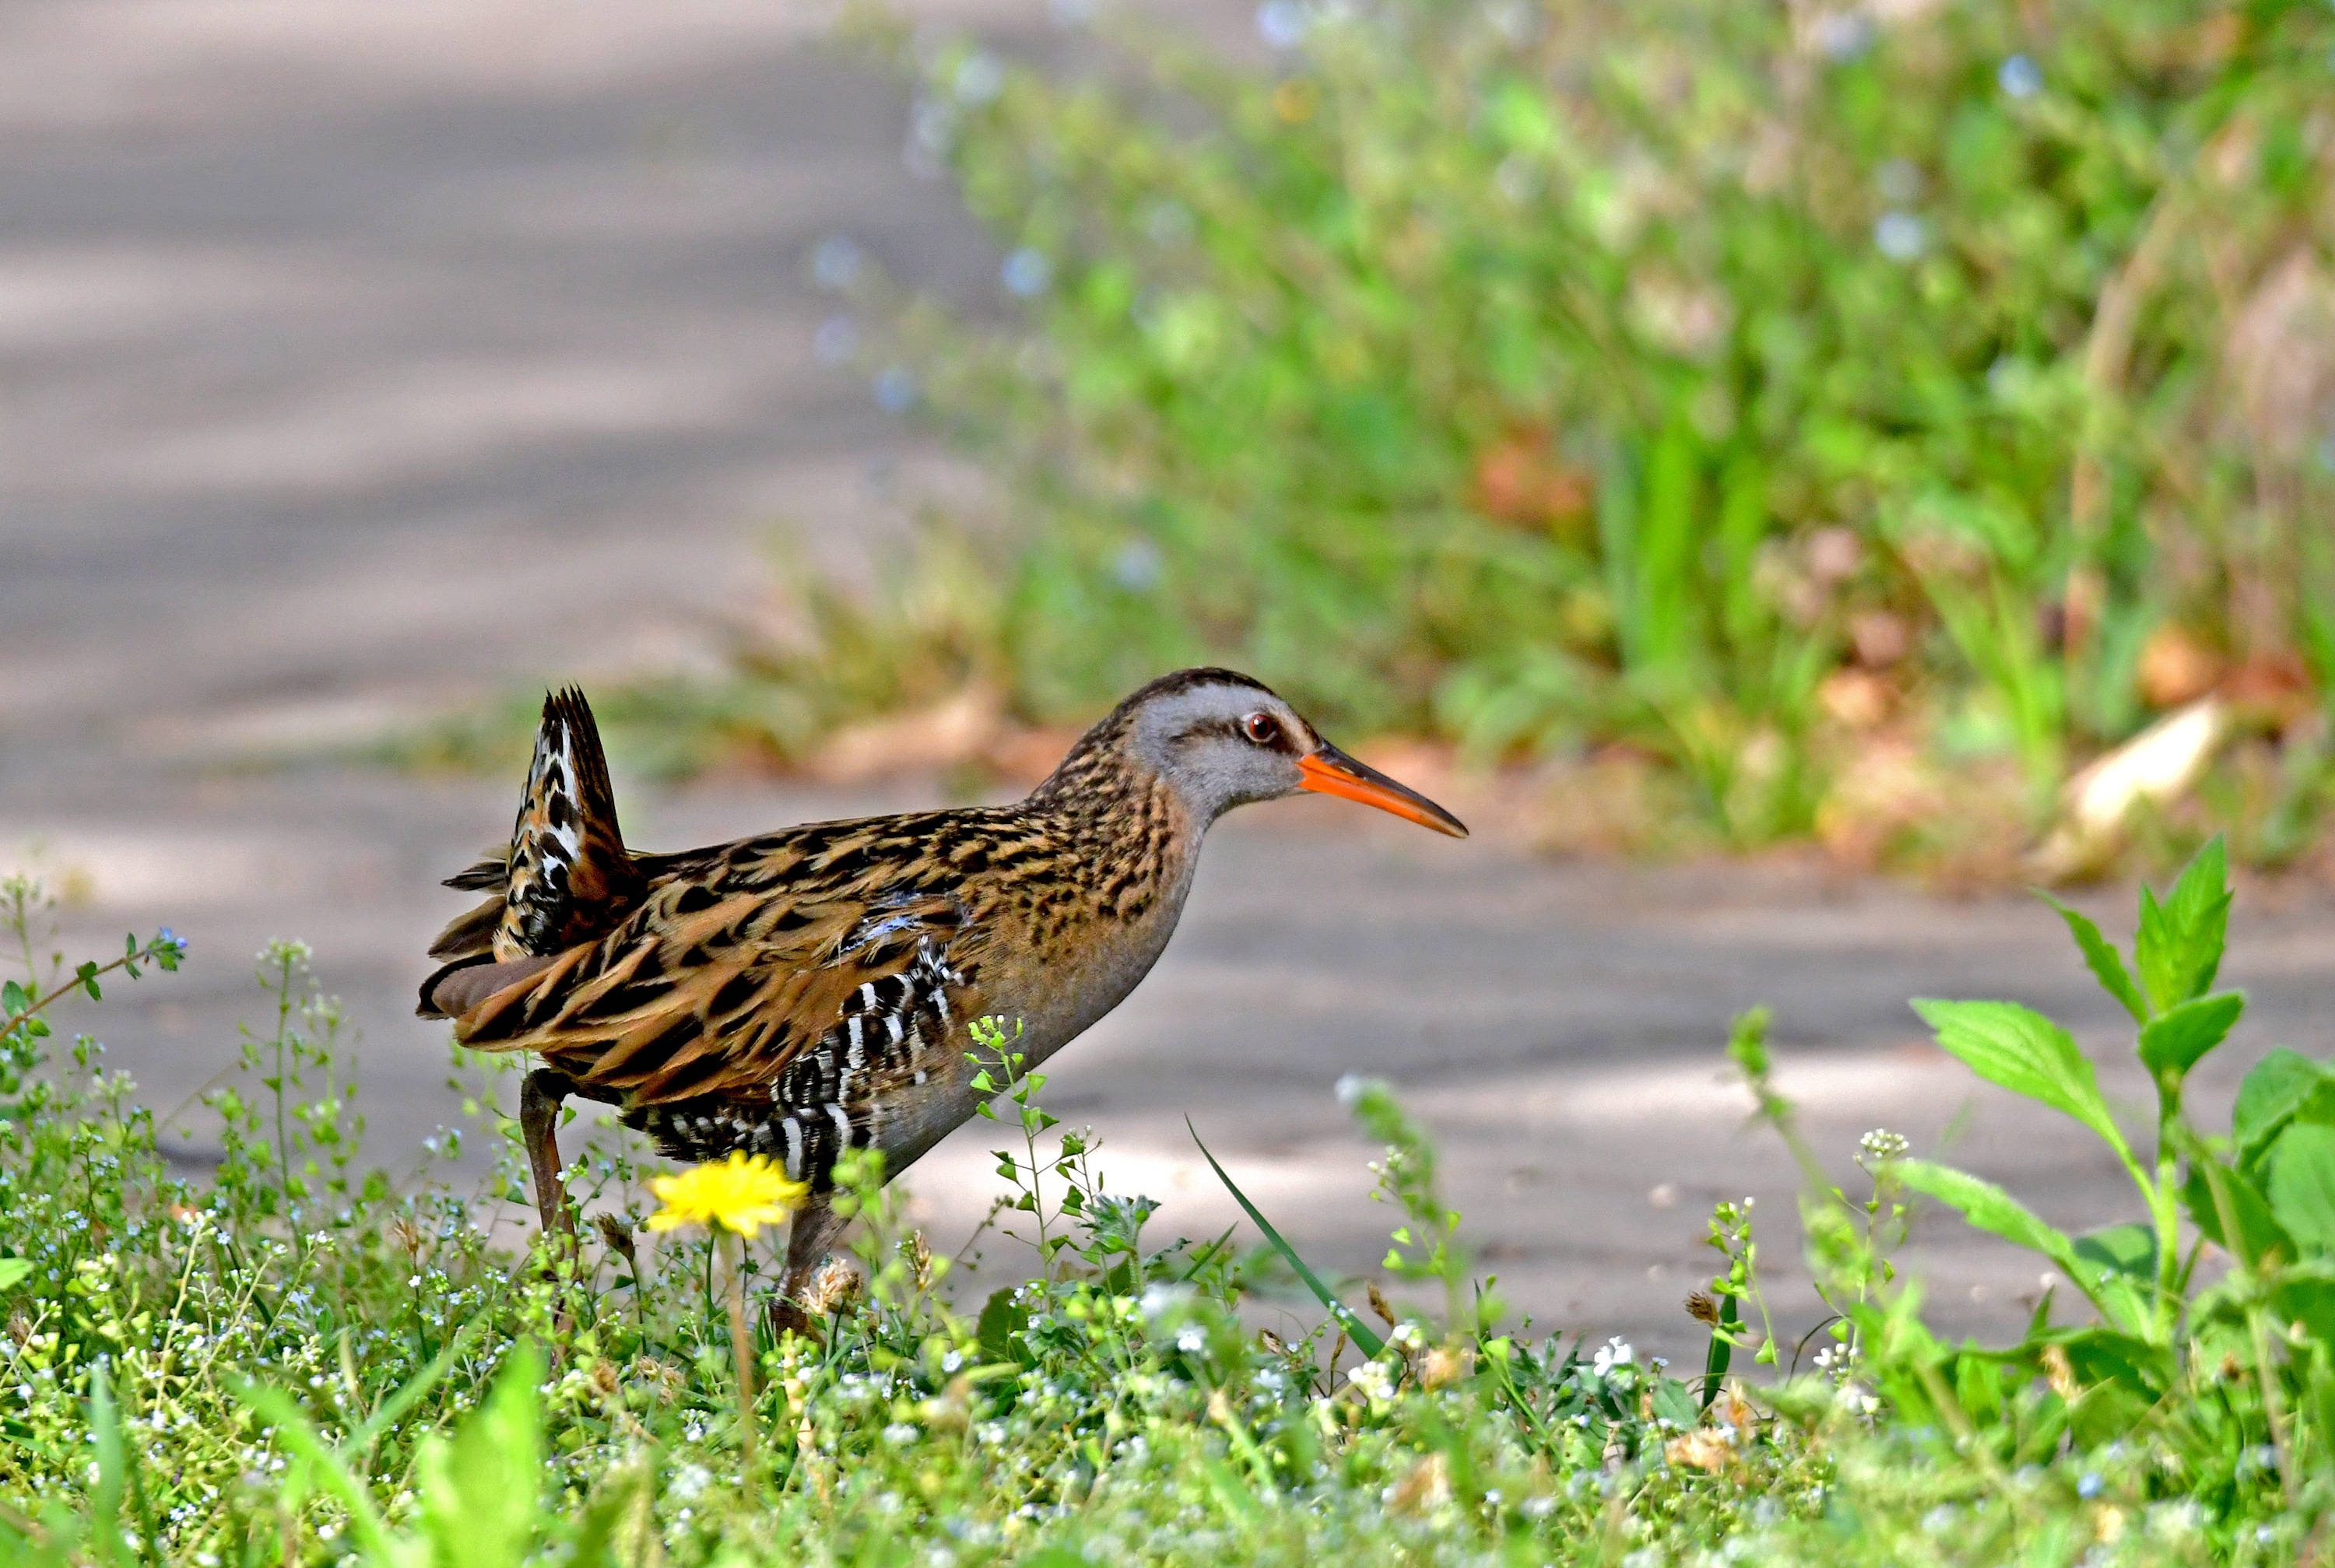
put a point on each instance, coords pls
(1221, 739)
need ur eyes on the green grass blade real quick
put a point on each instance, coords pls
(1716, 1360)
(1356, 1330)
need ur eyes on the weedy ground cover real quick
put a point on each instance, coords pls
(1797, 420)
(296, 1356)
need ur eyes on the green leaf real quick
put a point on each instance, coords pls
(2258, 1232)
(2302, 1186)
(2123, 1261)
(2178, 948)
(1675, 1403)
(2173, 1044)
(1722, 1348)
(2125, 1249)
(13, 1271)
(481, 1493)
(2284, 1086)
(2026, 1053)
(2098, 1355)
(1989, 1208)
(1356, 1330)
(2101, 957)
(1003, 1318)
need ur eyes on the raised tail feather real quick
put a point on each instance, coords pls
(565, 877)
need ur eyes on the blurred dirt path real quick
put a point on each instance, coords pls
(357, 359)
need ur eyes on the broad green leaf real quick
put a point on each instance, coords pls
(2026, 1053)
(1978, 1385)
(2099, 1355)
(2125, 1249)
(2302, 1184)
(2258, 1232)
(13, 1271)
(999, 1333)
(2299, 1298)
(1989, 1208)
(2101, 957)
(2283, 1086)
(1675, 1403)
(481, 1493)
(2124, 1258)
(1356, 1330)
(2178, 948)
(2174, 1043)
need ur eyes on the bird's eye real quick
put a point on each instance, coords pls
(1262, 728)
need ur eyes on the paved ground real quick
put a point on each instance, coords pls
(356, 360)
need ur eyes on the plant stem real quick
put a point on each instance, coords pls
(741, 1344)
(75, 983)
(2163, 1212)
(283, 1026)
(2274, 1407)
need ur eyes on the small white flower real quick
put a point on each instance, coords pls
(1281, 23)
(1612, 1353)
(1375, 1380)
(1900, 236)
(1881, 1145)
(979, 79)
(1191, 1339)
(1026, 273)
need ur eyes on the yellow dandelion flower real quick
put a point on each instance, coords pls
(741, 1195)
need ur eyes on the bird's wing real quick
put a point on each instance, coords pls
(745, 994)
(564, 877)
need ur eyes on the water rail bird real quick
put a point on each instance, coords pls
(808, 990)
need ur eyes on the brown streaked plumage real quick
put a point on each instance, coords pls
(807, 991)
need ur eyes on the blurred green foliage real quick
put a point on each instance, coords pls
(1548, 375)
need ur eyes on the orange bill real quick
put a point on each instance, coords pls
(1331, 772)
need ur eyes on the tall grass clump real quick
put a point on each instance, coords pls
(1832, 413)
(292, 1357)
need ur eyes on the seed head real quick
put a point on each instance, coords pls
(833, 1289)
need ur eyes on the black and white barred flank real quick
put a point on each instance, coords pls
(896, 1030)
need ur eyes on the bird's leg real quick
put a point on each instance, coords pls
(539, 1096)
(816, 1226)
